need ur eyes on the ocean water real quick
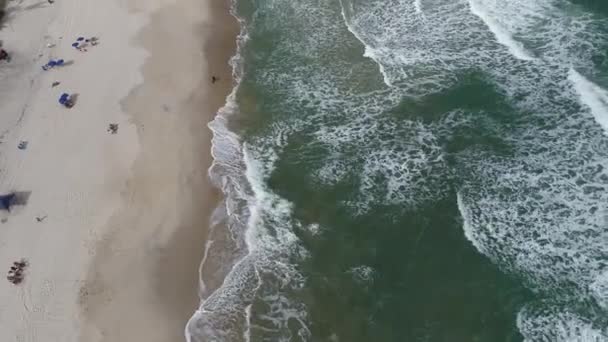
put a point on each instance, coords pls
(411, 170)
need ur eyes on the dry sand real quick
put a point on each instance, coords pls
(116, 256)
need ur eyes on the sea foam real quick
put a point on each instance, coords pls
(533, 211)
(502, 35)
(592, 96)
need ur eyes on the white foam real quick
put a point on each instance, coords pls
(592, 96)
(362, 274)
(599, 289)
(247, 330)
(369, 52)
(467, 227)
(225, 302)
(502, 35)
(418, 6)
(202, 286)
(332, 171)
(314, 229)
(418, 52)
(271, 246)
(551, 323)
(416, 57)
(540, 214)
(558, 32)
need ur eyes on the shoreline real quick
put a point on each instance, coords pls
(166, 289)
(124, 216)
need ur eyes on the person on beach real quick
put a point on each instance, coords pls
(80, 47)
(15, 273)
(93, 41)
(81, 43)
(67, 100)
(3, 55)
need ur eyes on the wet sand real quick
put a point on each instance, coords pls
(148, 265)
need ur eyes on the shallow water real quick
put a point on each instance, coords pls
(412, 170)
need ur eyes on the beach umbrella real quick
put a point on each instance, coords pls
(64, 98)
(6, 201)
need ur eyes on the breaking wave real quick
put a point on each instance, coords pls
(593, 97)
(500, 32)
(534, 203)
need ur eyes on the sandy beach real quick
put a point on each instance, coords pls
(112, 225)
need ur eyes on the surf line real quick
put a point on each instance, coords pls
(502, 36)
(370, 52)
(592, 96)
(418, 6)
(467, 226)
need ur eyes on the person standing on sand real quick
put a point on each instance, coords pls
(3, 53)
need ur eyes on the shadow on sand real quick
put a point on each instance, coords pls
(7, 201)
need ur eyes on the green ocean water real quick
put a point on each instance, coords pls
(403, 170)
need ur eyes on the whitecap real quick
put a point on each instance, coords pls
(547, 322)
(593, 97)
(501, 33)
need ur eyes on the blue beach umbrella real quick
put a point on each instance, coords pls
(53, 63)
(64, 98)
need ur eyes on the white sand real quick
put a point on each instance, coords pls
(120, 209)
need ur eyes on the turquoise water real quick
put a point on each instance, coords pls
(412, 170)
